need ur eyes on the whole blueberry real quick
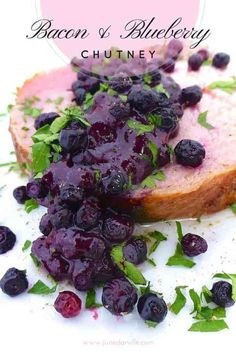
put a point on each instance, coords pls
(7, 239)
(14, 282)
(204, 54)
(80, 95)
(152, 308)
(143, 100)
(117, 227)
(189, 153)
(20, 194)
(72, 140)
(121, 83)
(119, 296)
(106, 269)
(194, 62)
(45, 118)
(222, 294)
(191, 95)
(168, 121)
(45, 225)
(175, 46)
(82, 275)
(193, 245)
(62, 218)
(71, 195)
(68, 304)
(120, 110)
(220, 60)
(135, 251)
(168, 65)
(116, 183)
(89, 214)
(163, 157)
(36, 189)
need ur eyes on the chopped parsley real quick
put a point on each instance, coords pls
(154, 150)
(39, 288)
(160, 88)
(90, 301)
(129, 269)
(226, 86)
(35, 260)
(202, 120)
(26, 245)
(208, 326)
(178, 259)
(141, 128)
(155, 119)
(158, 238)
(180, 300)
(30, 205)
(150, 181)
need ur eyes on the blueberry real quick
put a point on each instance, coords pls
(71, 195)
(80, 95)
(220, 60)
(163, 100)
(195, 61)
(62, 218)
(82, 276)
(191, 95)
(121, 83)
(89, 214)
(68, 304)
(169, 120)
(142, 100)
(119, 296)
(120, 110)
(72, 140)
(204, 54)
(14, 282)
(189, 153)
(152, 308)
(91, 84)
(163, 156)
(7, 239)
(36, 189)
(45, 118)
(20, 194)
(45, 225)
(175, 46)
(135, 251)
(154, 74)
(178, 109)
(168, 65)
(193, 245)
(116, 184)
(222, 294)
(105, 269)
(117, 227)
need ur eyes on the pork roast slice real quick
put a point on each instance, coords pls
(186, 192)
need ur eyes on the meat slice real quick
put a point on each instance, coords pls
(186, 192)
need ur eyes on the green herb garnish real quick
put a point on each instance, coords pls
(129, 269)
(209, 326)
(30, 205)
(35, 260)
(154, 150)
(226, 86)
(90, 301)
(158, 237)
(26, 245)
(151, 324)
(150, 181)
(203, 122)
(178, 259)
(180, 300)
(141, 128)
(160, 88)
(39, 288)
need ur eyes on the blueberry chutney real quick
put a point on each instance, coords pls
(121, 122)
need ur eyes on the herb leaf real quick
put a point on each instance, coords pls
(26, 245)
(226, 86)
(158, 237)
(30, 205)
(206, 293)
(209, 326)
(151, 324)
(233, 208)
(35, 260)
(196, 301)
(141, 128)
(180, 300)
(154, 150)
(40, 156)
(150, 181)
(39, 288)
(179, 230)
(90, 301)
(203, 122)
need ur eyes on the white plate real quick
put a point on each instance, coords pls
(30, 322)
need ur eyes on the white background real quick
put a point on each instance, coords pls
(29, 323)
